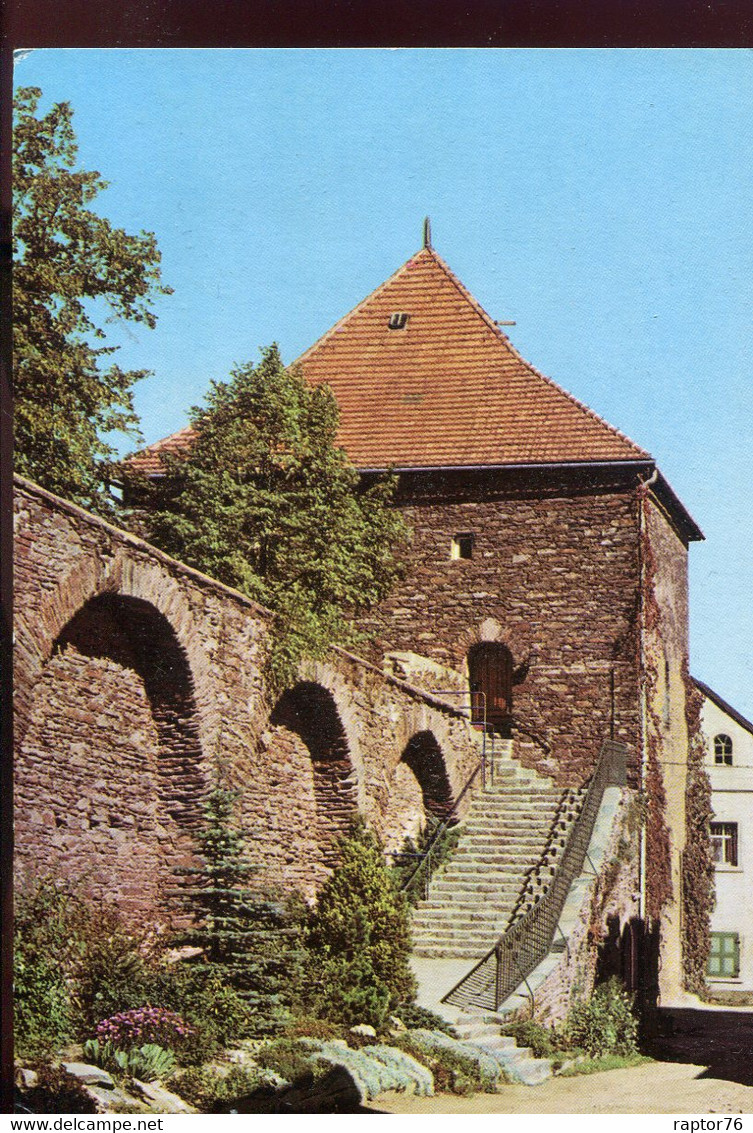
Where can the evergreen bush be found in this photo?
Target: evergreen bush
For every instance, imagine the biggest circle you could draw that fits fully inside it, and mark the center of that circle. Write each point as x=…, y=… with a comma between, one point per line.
x=290, y=1059
x=211, y=1090
x=358, y=939
x=412, y=1016
x=249, y=938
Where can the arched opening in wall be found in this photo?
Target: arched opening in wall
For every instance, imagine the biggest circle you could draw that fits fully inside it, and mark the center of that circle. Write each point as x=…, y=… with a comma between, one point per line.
x=136, y=636
x=110, y=777
x=490, y=682
x=308, y=714
x=424, y=757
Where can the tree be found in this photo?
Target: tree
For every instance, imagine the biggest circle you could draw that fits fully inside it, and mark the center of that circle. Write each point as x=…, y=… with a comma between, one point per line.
x=248, y=937
x=265, y=501
x=72, y=267
x=359, y=938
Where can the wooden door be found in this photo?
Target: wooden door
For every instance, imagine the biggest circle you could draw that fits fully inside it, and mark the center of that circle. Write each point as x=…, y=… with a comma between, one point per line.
x=490, y=673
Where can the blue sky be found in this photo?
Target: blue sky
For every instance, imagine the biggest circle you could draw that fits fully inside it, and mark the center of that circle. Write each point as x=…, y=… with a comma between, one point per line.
x=602, y=199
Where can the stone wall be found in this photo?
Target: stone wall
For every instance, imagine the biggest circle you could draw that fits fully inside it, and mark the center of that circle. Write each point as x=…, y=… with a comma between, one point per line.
x=554, y=575
x=665, y=662
x=140, y=683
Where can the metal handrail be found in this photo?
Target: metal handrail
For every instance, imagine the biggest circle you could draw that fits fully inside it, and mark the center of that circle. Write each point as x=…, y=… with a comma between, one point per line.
x=425, y=855
x=528, y=941
x=486, y=728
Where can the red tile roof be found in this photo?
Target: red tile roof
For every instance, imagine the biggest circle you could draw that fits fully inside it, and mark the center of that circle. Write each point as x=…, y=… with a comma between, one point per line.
x=148, y=461
x=448, y=389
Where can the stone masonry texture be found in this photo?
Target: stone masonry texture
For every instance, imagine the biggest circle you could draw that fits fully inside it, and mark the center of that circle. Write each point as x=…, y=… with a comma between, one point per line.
x=554, y=575
x=140, y=684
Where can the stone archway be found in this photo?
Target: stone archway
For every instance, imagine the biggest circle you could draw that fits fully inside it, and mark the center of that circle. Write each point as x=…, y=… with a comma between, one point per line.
x=113, y=749
x=424, y=757
x=308, y=787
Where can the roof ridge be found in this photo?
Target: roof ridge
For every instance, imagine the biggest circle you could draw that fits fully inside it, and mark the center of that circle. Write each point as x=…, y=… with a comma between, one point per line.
x=499, y=333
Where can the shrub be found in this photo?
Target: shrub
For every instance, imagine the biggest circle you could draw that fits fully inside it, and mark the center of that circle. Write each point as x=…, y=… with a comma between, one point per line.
x=358, y=940
x=44, y=1013
x=604, y=1024
x=217, y=1013
x=348, y=991
x=211, y=1091
x=290, y=1059
x=144, y=1024
x=412, y=1016
x=114, y=968
x=146, y=1062
x=83, y=962
x=458, y=1068
x=545, y=1042
x=312, y=1027
x=77, y=964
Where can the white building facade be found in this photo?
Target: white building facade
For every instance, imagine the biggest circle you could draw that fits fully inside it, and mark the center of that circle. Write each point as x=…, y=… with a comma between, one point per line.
x=729, y=761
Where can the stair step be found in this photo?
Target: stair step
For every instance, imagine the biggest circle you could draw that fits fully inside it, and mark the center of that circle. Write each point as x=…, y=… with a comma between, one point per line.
x=472, y=950
x=460, y=903
x=477, y=1031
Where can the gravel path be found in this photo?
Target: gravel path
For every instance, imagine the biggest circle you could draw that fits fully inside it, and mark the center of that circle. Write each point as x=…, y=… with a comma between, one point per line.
x=657, y=1087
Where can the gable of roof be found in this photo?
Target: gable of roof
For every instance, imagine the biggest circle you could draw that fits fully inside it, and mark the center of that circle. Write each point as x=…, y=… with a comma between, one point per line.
x=448, y=389
x=716, y=699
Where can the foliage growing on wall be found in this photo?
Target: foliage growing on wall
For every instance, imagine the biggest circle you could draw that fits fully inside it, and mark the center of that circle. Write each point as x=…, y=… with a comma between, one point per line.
x=697, y=863
x=264, y=500
x=658, y=859
x=71, y=267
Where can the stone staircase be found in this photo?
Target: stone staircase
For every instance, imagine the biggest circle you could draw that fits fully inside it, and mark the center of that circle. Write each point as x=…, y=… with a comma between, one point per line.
x=518, y=1061
x=508, y=846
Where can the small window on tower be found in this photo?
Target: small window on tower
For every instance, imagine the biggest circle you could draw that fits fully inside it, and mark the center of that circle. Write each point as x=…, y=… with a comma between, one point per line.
x=462, y=546
x=398, y=320
x=723, y=750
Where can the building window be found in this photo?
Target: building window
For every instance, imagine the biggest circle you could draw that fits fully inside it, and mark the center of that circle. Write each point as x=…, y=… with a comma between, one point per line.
x=398, y=320
x=723, y=749
x=724, y=957
x=724, y=843
x=462, y=546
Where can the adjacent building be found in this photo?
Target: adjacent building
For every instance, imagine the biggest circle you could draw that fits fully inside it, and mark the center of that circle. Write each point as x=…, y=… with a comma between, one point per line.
x=729, y=761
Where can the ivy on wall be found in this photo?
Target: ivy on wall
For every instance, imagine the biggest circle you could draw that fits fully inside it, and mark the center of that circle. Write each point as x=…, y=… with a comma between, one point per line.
x=658, y=858
x=697, y=863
